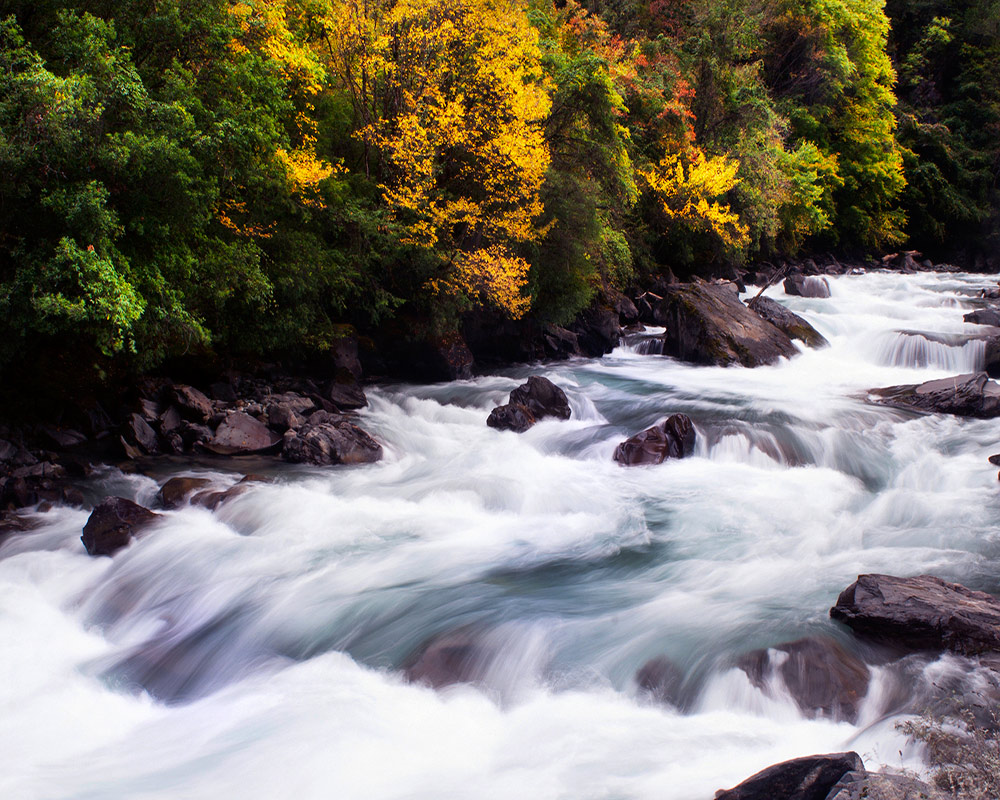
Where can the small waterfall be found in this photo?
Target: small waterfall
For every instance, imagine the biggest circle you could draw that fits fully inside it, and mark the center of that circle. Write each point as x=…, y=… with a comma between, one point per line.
x=952, y=352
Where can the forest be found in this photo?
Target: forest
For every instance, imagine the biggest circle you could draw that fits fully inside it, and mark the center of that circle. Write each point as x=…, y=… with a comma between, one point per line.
x=216, y=178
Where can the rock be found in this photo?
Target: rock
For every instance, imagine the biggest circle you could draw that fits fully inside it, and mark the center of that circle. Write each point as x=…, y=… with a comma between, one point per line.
x=282, y=417
x=192, y=404
x=823, y=678
x=995, y=460
x=801, y=286
x=970, y=395
x=149, y=409
x=63, y=438
x=457, y=657
x=296, y=402
x=661, y=679
x=19, y=493
x=212, y=500
x=875, y=786
x=784, y=320
x=345, y=396
x=808, y=778
x=559, y=343
x=241, y=434
x=597, y=330
x=984, y=316
x=511, y=417
x=344, y=354
x=112, y=525
x=542, y=398
x=672, y=438
x=194, y=434
x=626, y=310
x=921, y=613
x=707, y=324
x=137, y=433
x=223, y=392
x=7, y=451
x=328, y=443
x=170, y=420
x=173, y=492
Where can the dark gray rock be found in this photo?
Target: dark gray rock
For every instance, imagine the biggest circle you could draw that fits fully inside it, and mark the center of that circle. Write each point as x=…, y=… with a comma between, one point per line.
x=191, y=403
x=282, y=417
x=542, y=398
x=7, y=451
x=672, y=438
x=970, y=395
x=808, y=778
x=63, y=438
x=137, y=433
x=511, y=417
x=823, y=678
x=921, y=613
x=802, y=286
x=327, y=443
x=194, y=434
x=597, y=330
x=112, y=525
x=170, y=420
x=984, y=316
x=223, y=392
x=707, y=324
x=560, y=343
x=784, y=320
x=457, y=657
x=242, y=434
x=173, y=492
x=346, y=396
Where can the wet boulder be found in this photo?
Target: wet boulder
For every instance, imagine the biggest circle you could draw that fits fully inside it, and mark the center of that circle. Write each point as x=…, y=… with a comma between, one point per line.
x=823, y=678
x=282, y=417
x=138, y=438
x=456, y=657
x=970, y=395
x=241, y=434
x=112, y=525
x=660, y=679
x=511, y=417
x=335, y=441
x=794, y=326
x=921, y=613
x=173, y=492
x=808, y=778
x=672, y=438
x=597, y=330
x=533, y=400
x=984, y=316
x=346, y=396
x=707, y=324
x=803, y=286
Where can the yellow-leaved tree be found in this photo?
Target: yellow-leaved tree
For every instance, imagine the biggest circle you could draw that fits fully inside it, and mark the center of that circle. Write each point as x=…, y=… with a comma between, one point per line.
x=451, y=102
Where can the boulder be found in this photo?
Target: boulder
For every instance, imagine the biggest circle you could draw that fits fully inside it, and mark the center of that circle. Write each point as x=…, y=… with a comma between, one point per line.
x=823, y=678
x=597, y=330
x=784, y=320
x=559, y=343
x=333, y=442
x=344, y=355
x=984, y=316
x=112, y=525
x=191, y=403
x=672, y=438
x=223, y=392
x=137, y=433
x=511, y=417
x=542, y=398
x=660, y=679
x=808, y=778
x=63, y=438
x=345, y=396
x=173, y=492
x=921, y=613
x=707, y=324
x=7, y=451
x=970, y=395
x=170, y=420
x=213, y=499
x=242, y=434
x=194, y=434
x=874, y=785
x=802, y=286
x=282, y=417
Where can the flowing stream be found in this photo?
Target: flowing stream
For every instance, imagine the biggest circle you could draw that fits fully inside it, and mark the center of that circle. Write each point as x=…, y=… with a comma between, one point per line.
x=255, y=652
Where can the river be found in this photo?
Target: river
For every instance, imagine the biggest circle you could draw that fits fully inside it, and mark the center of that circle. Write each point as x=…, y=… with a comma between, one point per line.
x=254, y=652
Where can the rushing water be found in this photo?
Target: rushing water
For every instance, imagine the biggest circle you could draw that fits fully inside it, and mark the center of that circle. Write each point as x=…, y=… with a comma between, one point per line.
x=254, y=652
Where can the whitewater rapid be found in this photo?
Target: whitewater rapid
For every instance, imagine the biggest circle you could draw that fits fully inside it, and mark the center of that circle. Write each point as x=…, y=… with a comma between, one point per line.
x=255, y=651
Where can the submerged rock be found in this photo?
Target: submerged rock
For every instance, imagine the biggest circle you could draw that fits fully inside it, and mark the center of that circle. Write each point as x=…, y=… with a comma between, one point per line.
x=970, y=395
x=112, y=525
x=808, y=778
x=921, y=613
x=335, y=441
x=533, y=400
x=456, y=657
x=823, y=678
x=661, y=680
x=802, y=286
x=707, y=324
x=672, y=438
x=787, y=321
